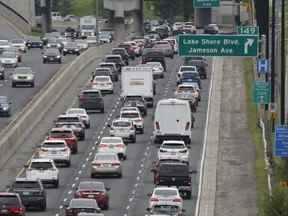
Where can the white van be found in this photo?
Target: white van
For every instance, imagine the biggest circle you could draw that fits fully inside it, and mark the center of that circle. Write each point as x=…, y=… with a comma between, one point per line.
x=172, y=120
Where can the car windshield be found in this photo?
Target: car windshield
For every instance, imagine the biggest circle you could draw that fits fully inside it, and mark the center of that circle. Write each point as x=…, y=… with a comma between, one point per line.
x=26, y=184
x=154, y=64
x=51, y=53
x=109, y=140
x=76, y=111
x=165, y=209
x=102, y=79
x=68, y=119
x=71, y=44
x=22, y=70
x=165, y=193
x=8, y=200
x=112, y=58
x=53, y=145
x=173, y=146
x=121, y=124
x=106, y=157
x=83, y=204
x=189, y=75
x=185, y=88
x=8, y=55
x=60, y=134
x=129, y=115
x=41, y=165
x=87, y=27
x=188, y=69
x=91, y=94
x=96, y=186
x=173, y=170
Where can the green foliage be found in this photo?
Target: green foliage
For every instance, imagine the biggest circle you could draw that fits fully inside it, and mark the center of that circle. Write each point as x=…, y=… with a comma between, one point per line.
x=63, y=6
x=83, y=7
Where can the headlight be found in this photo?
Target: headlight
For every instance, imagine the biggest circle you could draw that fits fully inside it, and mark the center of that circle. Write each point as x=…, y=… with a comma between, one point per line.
x=44, y=56
x=64, y=49
x=5, y=108
x=48, y=45
x=58, y=45
x=58, y=56
x=76, y=50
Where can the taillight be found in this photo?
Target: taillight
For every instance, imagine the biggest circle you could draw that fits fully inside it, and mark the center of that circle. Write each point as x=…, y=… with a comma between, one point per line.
x=103, y=145
x=115, y=164
x=177, y=200
x=44, y=150
x=154, y=199
x=64, y=149
x=120, y=145
x=183, y=151
x=187, y=126
x=82, y=97
x=96, y=164
x=16, y=210
x=157, y=125
x=77, y=194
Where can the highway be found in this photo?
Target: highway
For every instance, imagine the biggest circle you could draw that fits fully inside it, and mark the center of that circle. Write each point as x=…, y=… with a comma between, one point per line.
x=129, y=194
x=20, y=96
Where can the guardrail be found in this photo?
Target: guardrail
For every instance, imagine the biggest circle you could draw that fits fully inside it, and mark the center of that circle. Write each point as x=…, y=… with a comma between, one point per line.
x=15, y=18
x=26, y=120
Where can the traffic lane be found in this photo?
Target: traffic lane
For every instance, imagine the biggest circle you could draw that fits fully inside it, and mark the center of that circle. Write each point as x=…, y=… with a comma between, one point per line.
x=20, y=96
x=56, y=197
x=141, y=199
x=70, y=177
x=6, y=31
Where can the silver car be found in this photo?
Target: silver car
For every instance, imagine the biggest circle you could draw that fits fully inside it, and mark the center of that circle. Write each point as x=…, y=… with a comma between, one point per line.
x=106, y=164
x=82, y=113
x=57, y=150
x=23, y=76
x=9, y=59
x=123, y=128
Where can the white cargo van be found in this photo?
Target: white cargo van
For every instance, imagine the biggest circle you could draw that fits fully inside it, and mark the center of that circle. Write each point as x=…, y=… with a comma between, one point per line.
x=172, y=120
x=138, y=81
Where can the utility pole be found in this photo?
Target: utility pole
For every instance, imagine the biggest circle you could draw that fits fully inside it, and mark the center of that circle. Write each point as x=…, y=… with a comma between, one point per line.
x=273, y=53
x=237, y=17
x=283, y=63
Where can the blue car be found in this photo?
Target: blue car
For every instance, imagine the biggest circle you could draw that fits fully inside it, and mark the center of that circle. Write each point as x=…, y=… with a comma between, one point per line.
x=5, y=108
x=189, y=76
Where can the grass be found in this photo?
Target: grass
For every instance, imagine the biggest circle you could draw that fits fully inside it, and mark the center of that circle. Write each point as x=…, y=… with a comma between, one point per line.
x=36, y=32
x=256, y=134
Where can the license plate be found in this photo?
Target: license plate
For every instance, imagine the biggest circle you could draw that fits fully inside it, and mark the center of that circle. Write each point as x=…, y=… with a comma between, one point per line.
x=111, y=147
x=51, y=58
x=90, y=196
x=26, y=193
x=4, y=211
x=173, y=153
x=54, y=152
x=106, y=165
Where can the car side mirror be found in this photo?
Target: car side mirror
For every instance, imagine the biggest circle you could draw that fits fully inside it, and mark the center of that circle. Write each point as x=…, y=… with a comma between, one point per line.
x=188, y=146
x=26, y=165
x=149, y=194
x=183, y=210
x=66, y=205
x=108, y=125
x=108, y=188
x=148, y=209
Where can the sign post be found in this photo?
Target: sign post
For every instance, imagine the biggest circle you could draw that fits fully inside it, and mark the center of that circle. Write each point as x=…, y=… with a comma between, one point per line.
x=218, y=45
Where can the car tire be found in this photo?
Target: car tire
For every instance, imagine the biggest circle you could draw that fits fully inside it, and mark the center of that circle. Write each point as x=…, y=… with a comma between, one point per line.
x=75, y=150
x=44, y=62
x=102, y=110
x=13, y=85
x=82, y=137
x=188, y=195
x=64, y=54
x=56, y=183
x=77, y=54
x=92, y=175
x=88, y=126
x=172, y=56
x=60, y=61
x=106, y=207
x=133, y=140
x=43, y=205
x=32, y=85
x=141, y=131
x=119, y=175
x=68, y=163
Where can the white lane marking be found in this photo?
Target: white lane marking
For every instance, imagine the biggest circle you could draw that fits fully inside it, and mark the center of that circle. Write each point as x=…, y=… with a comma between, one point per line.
x=76, y=178
x=101, y=132
x=84, y=165
x=80, y=172
x=64, y=200
x=98, y=137
x=90, y=153
x=204, y=142
x=138, y=178
x=140, y=171
x=141, y=165
x=61, y=206
x=131, y=199
x=73, y=185
x=70, y=192
x=57, y=214
x=87, y=159
x=133, y=191
x=136, y=185
x=93, y=148
x=127, y=207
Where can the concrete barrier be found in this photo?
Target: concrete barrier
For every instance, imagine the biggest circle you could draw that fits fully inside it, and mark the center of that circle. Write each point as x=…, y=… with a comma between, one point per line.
x=25, y=121
x=15, y=18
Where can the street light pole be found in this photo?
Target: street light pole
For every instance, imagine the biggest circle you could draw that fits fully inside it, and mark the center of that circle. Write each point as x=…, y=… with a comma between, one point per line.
x=283, y=63
x=273, y=53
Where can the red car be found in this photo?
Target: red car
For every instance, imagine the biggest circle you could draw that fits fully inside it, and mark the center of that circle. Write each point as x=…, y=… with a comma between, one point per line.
x=94, y=190
x=66, y=134
x=11, y=204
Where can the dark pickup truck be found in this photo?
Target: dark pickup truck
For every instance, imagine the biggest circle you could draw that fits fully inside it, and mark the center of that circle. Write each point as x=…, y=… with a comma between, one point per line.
x=173, y=173
x=32, y=192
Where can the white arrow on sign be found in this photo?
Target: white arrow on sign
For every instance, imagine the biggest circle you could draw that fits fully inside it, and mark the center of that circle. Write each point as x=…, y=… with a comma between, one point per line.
x=248, y=44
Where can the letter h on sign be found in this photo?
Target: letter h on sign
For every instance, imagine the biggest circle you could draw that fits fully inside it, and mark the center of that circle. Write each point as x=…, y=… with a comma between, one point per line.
x=262, y=66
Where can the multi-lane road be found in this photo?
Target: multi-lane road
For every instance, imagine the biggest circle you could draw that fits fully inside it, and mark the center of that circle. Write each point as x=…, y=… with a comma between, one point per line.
x=128, y=195
x=43, y=72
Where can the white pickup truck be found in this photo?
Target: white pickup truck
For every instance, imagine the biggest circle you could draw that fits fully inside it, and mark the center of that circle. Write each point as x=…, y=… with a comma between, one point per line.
x=43, y=169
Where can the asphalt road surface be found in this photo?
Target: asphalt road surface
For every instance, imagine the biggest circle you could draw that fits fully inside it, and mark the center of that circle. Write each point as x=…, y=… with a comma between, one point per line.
x=128, y=195
x=22, y=95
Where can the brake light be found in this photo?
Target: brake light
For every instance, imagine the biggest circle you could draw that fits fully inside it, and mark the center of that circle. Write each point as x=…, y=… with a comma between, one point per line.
x=77, y=195
x=154, y=199
x=64, y=149
x=177, y=200
x=44, y=150
x=82, y=97
x=115, y=164
x=157, y=125
x=120, y=145
x=96, y=164
x=16, y=210
x=103, y=145
x=187, y=126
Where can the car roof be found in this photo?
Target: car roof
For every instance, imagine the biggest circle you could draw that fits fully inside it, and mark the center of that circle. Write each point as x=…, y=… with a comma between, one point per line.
x=61, y=129
x=54, y=141
x=107, y=56
x=122, y=120
x=41, y=160
x=173, y=141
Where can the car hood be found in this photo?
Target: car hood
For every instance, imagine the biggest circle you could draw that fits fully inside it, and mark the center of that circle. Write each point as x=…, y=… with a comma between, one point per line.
x=19, y=76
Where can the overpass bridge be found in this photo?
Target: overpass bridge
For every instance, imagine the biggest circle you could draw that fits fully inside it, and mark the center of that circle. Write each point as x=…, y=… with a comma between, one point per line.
x=20, y=13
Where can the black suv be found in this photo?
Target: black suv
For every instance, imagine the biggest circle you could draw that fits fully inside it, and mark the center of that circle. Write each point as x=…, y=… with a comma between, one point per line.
x=32, y=192
x=71, y=48
x=136, y=101
x=11, y=204
x=123, y=53
x=52, y=55
x=153, y=55
x=173, y=173
x=91, y=99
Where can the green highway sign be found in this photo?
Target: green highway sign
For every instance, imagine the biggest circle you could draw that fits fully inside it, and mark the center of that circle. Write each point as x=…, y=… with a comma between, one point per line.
x=261, y=92
x=206, y=3
x=218, y=45
x=248, y=30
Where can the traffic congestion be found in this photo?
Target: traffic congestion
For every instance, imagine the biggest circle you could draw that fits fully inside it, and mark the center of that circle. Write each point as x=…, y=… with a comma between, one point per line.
x=132, y=75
